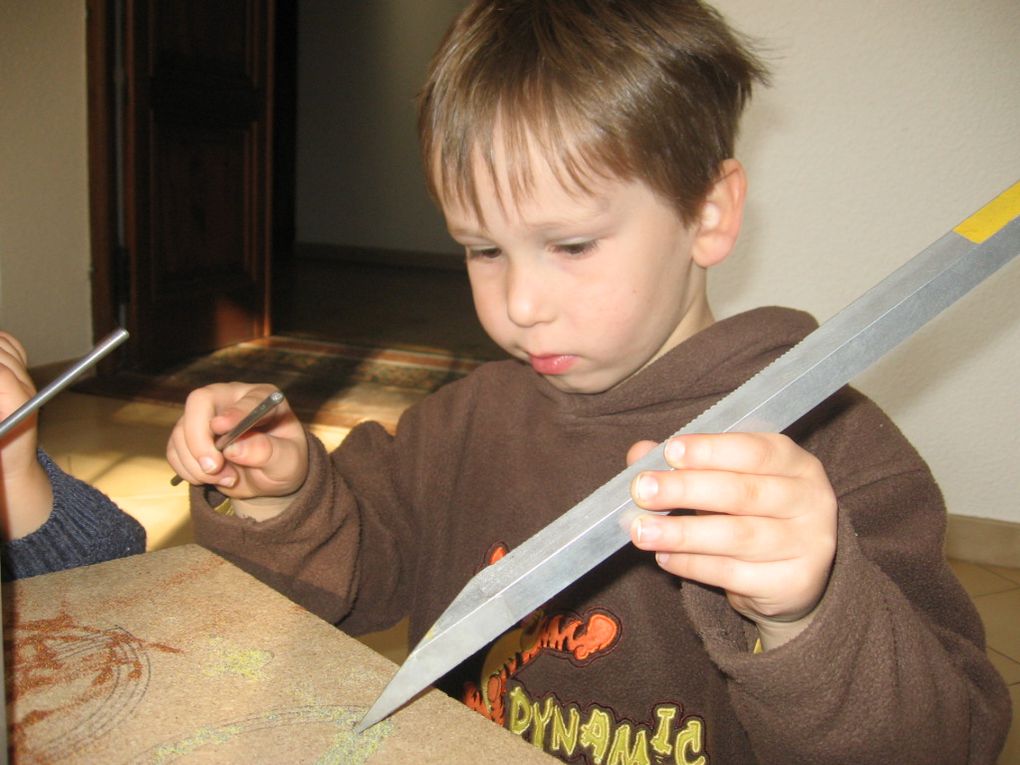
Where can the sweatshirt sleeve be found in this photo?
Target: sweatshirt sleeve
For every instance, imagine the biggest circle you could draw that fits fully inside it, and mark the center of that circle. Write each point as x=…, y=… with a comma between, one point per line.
x=893, y=667
x=350, y=546
x=84, y=527
x=309, y=552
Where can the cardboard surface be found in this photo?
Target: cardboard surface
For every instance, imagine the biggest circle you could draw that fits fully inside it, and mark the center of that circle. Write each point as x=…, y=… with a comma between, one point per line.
x=178, y=656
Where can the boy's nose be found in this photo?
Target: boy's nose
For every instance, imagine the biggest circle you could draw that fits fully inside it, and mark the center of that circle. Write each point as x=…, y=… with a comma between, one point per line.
x=528, y=296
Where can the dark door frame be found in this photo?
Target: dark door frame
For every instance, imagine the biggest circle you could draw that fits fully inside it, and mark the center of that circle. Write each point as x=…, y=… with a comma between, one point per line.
x=101, y=67
x=110, y=276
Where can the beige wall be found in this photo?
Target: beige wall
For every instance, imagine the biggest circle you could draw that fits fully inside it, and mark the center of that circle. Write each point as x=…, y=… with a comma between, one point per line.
x=883, y=129
x=45, y=296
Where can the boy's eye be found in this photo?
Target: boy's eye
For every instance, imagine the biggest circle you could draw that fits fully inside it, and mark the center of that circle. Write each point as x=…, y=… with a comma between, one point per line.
x=483, y=253
x=577, y=248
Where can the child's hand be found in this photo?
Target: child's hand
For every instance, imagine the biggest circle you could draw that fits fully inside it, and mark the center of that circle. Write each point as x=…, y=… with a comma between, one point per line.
x=269, y=461
x=764, y=527
x=16, y=388
x=26, y=497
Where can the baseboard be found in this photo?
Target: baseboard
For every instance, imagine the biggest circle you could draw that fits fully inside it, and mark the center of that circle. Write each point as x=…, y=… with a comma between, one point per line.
x=376, y=256
x=982, y=540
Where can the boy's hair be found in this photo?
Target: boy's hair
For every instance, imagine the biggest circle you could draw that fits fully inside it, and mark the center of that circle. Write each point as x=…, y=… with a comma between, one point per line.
x=648, y=90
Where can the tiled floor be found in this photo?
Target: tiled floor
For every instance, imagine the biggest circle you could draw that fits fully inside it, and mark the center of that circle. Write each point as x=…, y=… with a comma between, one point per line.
x=996, y=592
x=118, y=446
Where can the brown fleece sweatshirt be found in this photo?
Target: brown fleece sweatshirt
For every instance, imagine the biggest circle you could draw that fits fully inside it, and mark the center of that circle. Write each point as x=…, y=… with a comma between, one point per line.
x=630, y=664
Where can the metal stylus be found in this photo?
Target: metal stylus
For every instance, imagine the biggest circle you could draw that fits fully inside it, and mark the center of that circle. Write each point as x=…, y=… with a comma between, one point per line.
x=256, y=414
x=108, y=343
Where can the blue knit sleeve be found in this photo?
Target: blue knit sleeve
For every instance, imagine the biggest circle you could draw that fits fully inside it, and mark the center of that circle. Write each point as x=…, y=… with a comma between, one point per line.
x=85, y=527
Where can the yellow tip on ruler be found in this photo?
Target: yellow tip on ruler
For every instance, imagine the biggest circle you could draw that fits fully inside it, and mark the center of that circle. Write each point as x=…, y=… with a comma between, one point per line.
x=992, y=217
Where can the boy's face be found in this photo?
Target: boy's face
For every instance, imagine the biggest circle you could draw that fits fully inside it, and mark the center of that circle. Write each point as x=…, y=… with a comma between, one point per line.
x=587, y=288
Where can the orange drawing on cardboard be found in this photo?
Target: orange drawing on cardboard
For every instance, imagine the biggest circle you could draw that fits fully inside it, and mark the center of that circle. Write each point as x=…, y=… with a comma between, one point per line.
x=72, y=682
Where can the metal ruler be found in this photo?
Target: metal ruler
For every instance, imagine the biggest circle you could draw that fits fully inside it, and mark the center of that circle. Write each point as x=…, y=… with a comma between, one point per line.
x=845, y=345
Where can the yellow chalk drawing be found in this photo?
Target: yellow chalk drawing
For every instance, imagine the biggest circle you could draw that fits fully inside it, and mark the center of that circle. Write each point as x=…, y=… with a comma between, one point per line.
x=344, y=748
x=350, y=748
x=229, y=660
x=165, y=753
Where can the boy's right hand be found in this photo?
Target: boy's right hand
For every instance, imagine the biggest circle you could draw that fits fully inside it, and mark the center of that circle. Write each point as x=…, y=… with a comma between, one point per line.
x=267, y=464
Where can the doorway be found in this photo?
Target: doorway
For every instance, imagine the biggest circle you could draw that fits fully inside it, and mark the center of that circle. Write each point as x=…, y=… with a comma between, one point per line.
x=188, y=269
x=181, y=136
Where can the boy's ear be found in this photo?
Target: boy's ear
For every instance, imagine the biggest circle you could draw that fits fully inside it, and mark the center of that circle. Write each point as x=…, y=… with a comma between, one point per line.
x=721, y=214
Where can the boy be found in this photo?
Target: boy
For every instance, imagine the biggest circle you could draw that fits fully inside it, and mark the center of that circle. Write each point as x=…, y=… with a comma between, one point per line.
x=581, y=152
x=51, y=521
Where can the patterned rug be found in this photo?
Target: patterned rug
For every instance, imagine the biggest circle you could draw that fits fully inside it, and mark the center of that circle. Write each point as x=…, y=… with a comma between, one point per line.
x=325, y=383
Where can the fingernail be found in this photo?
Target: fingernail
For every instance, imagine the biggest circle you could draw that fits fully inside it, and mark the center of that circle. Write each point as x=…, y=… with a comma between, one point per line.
x=662, y=558
x=646, y=487
x=208, y=464
x=227, y=481
x=648, y=530
x=674, y=452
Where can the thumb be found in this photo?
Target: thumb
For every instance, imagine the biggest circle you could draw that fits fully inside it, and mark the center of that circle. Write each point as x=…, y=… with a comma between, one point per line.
x=279, y=460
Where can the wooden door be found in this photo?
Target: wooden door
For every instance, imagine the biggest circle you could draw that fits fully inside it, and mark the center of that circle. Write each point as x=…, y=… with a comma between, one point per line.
x=196, y=199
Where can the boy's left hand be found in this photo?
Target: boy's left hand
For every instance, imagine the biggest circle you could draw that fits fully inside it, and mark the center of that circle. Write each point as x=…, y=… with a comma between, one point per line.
x=763, y=527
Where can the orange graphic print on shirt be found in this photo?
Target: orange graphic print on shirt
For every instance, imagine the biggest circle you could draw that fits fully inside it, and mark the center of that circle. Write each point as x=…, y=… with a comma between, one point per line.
x=579, y=639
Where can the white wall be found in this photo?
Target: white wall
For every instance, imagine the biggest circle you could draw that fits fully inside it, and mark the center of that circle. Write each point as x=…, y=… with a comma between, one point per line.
x=886, y=125
x=45, y=295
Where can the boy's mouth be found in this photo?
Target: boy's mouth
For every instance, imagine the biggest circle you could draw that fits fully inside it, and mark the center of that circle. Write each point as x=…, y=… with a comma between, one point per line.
x=552, y=364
